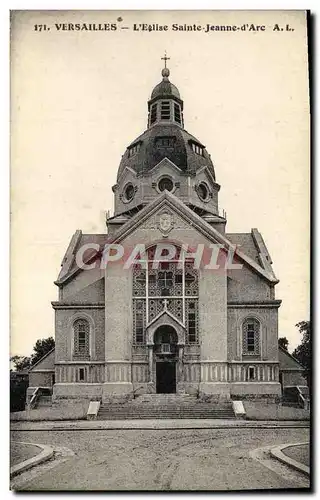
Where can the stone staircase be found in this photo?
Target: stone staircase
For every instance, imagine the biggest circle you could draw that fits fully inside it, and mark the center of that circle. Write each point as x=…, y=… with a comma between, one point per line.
x=44, y=401
x=161, y=406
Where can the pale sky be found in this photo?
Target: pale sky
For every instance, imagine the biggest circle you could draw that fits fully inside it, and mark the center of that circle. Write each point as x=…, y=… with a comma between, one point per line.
x=78, y=98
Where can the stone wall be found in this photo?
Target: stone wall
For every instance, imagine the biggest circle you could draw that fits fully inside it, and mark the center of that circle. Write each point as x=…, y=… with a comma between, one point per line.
x=268, y=318
x=64, y=319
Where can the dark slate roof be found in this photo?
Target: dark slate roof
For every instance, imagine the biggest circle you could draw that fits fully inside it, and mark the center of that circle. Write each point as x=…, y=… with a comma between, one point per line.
x=246, y=244
x=287, y=361
x=79, y=239
x=150, y=155
x=165, y=88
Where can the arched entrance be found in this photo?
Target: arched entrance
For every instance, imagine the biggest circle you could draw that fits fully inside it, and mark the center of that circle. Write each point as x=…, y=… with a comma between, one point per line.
x=166, y=350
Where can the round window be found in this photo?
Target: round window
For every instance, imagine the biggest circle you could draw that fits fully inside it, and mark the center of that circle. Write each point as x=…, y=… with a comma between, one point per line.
x=203, y=191
x=165, y=183
x=129, y=192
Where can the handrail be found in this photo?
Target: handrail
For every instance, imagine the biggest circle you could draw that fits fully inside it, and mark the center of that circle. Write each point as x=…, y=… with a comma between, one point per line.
x=304, y=402
x=34, y=398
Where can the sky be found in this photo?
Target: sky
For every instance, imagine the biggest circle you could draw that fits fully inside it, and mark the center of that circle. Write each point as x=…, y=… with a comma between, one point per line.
x=78, y=98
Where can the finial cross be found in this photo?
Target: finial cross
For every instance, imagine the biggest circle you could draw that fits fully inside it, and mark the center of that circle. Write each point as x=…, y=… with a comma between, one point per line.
x=165, y=58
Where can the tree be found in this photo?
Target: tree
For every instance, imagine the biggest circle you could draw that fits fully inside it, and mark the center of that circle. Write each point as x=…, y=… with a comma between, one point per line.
x=19, y=382
x=21, y=363
x=283, y=342
x=41, y=347
x=303, y=352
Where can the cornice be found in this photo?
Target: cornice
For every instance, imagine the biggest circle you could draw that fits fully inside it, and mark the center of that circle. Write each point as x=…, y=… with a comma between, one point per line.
x=77, y=305
x=255, y=303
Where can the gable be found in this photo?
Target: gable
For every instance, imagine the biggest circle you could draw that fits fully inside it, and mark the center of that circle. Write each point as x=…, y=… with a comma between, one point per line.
x=246, y=243
x=287, y=361
x=166, y=166
x=46, y=363
x=205, y=174
x=127, y=174
x=184, y=219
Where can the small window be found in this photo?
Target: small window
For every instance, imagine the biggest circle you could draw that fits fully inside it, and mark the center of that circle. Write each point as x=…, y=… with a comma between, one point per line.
x=178, y=278
x=81, y=374
x=128, y=193
x=165, y=183
x=177, y=113
x=139, y=322
x=251, y=336
x=134, y=149
x=199, y=150
x=81, y=331
x=153, y=114
x=165, y=110
x=203, y=191
x=192, y=334
x=166, y=142
x=251, y=373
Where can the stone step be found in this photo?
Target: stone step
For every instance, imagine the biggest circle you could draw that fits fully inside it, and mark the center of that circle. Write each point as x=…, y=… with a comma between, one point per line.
x=164, y=407
x=149, y=412
x=157, y=416
x=173, y=397
x=170, y=410
x=44, y=401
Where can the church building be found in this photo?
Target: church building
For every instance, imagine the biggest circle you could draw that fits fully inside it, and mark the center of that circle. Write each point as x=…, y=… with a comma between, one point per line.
x=166, y=300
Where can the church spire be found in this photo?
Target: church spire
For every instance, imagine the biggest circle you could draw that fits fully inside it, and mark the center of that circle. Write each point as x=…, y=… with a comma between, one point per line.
x=165, y=72
x=165, y=105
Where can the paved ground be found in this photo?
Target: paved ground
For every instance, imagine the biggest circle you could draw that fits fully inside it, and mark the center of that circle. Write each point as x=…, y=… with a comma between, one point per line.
x=299, y=453
x=20, y=452
x=182, y=459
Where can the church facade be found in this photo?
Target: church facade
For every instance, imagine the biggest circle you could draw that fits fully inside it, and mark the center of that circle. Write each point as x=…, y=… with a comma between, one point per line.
x=166, y=301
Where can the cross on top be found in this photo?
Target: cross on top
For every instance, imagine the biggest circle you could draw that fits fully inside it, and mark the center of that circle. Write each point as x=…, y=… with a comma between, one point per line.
x=165, y=58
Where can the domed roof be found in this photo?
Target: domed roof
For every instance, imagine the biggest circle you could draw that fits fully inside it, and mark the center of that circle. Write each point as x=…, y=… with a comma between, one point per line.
x=165, y=141
x=165, y=88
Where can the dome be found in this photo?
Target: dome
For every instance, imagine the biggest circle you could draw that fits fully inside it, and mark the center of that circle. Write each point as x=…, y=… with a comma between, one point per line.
x=165, y=88
x=165, y=141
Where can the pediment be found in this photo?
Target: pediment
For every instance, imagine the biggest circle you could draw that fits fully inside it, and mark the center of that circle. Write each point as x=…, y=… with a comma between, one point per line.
x=127, y=173
x=204, y=171
x=182, y=217
x=165, y=318
x=165, y=165
x=165, y=214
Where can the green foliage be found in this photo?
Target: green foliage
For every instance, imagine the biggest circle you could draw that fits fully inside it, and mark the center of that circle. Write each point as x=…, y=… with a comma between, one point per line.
x=303, y=352
x=18, y=390
x=21, y=363
x=19, y=382
x=41, y=347
x=283, y=342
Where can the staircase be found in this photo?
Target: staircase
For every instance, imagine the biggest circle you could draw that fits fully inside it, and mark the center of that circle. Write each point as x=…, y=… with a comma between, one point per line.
x=44, y=401
x=296, y=396
x=161, y=406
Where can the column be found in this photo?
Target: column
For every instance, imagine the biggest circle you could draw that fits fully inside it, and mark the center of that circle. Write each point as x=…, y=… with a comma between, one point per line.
x=180, y=364
x=150, y=358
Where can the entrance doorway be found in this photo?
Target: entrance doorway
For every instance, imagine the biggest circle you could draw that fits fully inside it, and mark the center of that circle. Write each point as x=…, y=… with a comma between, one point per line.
x=166, y=377
x=165, y=350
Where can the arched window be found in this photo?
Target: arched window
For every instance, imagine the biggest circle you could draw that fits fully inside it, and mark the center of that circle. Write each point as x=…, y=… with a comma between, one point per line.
x=251, y=336
x=172, y=285
x=81, y=334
